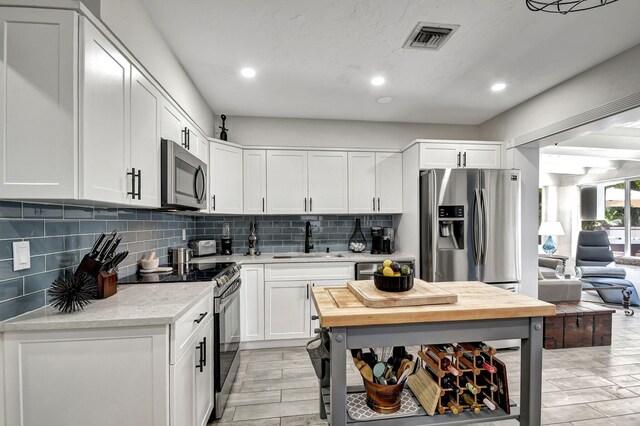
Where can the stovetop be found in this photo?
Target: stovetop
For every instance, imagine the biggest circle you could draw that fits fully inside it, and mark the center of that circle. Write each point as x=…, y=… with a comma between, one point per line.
x=220, y=272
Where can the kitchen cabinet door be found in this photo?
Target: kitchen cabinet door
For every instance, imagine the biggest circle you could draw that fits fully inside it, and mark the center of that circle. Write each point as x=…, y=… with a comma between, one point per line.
x=328, y=182
x=170, y=123
x=183, y=388
x=252, y=303
x=204, y=377
x=225, y=176
x=388, y=182
x=481, y=156
x=254, y=181
x=190, y=139
x=38, y=127
x=440, y=156
x=362, y=182
x=203, y=147
x=145, y=140
x=104, y=117
x=286, y=309
x=287, y=182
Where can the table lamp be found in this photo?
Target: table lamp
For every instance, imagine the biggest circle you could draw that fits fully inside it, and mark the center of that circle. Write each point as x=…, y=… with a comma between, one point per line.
x=550, y=229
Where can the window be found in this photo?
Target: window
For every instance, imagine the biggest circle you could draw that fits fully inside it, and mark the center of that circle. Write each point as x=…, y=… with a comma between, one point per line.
x=615, y=208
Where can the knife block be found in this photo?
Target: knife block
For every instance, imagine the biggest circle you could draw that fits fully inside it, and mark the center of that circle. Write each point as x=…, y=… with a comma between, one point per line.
x=107, y=284
x=89, y=266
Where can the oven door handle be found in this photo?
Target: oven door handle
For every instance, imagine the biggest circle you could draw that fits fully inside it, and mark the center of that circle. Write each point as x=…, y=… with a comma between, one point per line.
x=227, y=298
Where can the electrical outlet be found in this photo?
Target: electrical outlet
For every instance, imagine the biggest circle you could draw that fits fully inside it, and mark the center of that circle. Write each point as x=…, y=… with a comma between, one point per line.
x=21, y=255
x=184, y=235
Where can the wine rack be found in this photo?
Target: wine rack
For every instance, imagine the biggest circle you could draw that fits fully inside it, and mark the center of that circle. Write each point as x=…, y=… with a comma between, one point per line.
x=454, y=367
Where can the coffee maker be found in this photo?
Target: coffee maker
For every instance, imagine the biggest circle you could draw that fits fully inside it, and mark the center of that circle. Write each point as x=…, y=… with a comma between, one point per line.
x=388, y=242
x=226, y=242
x=376, y=240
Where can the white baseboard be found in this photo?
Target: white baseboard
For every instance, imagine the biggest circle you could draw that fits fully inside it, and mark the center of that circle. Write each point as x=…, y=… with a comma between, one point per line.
x=267, y=344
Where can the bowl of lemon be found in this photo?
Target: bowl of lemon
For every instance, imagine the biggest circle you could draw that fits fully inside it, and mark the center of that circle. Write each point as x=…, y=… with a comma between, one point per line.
x=393, y=277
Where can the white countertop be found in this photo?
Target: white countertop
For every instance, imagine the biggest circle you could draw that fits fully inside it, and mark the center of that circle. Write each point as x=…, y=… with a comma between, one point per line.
x=305, y=258
x=133, y=305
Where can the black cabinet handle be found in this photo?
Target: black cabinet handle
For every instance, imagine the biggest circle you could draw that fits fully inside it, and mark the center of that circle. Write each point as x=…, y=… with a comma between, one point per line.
x=374, y=204
x=464, y=160
x=310, y=204
x=307, y=291
x=200, y=318
x=262, y=204
x=378, y=203
x=305, y=204
x=200, y=364
x=214, y=203
x=184, y=139
x=132, y=173
x=204, y=351
x=139, y=184
x=459, y=159
x=188, y=139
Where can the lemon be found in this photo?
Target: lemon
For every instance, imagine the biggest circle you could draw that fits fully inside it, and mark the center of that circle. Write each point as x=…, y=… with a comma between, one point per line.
x=387, y=272
x=396, y=274
x=387, y=263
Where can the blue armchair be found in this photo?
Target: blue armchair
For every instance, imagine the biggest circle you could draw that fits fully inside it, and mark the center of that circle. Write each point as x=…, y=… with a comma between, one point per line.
x=595, y=258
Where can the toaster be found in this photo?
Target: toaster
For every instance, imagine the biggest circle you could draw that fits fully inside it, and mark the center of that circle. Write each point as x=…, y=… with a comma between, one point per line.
x=203, y=247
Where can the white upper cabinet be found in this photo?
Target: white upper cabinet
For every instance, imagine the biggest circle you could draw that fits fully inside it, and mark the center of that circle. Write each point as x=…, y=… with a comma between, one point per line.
x=170, y=122
x=145, y=141
x=328, y=182
x=225, y=178
x=375, y=182
x=388, y=182
x=287, y=182
x=460, y=154
x=362, y=182
x=254, y=171
x=203, y=147
x=190, y=139
x=38, y=126
x=104, y=118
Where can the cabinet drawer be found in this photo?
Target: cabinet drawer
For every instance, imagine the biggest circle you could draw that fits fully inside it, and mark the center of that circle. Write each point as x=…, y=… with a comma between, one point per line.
x=309, y=271
x=184, y=329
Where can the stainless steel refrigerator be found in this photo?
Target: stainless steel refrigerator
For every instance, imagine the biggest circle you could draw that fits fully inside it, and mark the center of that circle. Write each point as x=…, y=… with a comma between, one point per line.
x=470, y=225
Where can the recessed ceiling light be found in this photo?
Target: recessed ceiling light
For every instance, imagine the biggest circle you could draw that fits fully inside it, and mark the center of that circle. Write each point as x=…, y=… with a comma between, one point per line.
x=384, y=100
x=377, y=81
x=248, y=72
x=498, y=87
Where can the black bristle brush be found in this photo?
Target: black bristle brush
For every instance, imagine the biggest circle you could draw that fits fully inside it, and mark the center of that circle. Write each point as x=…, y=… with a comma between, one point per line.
x=72, y=293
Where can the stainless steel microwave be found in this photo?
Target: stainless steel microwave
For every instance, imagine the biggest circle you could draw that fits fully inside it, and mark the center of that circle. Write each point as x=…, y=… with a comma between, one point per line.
x=183, y=178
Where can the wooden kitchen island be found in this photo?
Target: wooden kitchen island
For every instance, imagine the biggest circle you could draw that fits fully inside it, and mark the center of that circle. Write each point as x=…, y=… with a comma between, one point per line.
x=483, y=312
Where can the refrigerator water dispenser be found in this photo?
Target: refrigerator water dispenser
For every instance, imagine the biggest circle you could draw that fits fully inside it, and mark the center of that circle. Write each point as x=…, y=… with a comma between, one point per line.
x=451, y=227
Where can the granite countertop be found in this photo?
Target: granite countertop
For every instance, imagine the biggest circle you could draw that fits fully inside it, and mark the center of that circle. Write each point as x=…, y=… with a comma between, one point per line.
x=133, y=305
x=628, y=260
x=305, y=258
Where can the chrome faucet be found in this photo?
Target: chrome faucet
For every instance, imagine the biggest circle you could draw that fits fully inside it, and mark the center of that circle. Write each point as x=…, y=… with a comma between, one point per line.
x=307, y=238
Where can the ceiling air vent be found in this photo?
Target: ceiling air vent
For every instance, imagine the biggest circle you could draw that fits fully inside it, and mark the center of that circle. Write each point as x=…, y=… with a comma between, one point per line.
x=430, y=36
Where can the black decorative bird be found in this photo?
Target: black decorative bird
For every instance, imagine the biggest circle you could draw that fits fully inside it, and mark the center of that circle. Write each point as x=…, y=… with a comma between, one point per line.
x=72, y=293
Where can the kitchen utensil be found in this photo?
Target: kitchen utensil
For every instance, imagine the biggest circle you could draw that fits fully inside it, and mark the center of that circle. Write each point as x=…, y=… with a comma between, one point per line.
x=117, y=259
x=95, y=249
x=149, y=263
x=378, y=372
x=107, y=245
x=383, y=398
x=181, y=255
x=113, y=247
x=158, y=270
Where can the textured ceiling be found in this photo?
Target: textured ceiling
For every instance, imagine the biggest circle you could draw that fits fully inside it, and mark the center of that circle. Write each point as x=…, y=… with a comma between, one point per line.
x=314, y=59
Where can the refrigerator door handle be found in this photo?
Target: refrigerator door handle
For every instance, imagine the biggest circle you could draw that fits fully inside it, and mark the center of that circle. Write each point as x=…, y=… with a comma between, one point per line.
x=483, y=209
x=475, y=228
x=434, y=208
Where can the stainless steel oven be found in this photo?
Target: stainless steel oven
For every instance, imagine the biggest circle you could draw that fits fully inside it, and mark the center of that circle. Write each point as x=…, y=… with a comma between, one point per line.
x=183, y=178
x=227, y=341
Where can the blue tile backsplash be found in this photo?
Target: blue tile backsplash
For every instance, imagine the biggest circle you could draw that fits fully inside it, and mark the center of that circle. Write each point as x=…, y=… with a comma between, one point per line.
x=60, y=235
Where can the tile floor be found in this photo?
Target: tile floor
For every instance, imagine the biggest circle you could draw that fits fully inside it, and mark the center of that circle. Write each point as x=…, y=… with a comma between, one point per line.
x=581, y=387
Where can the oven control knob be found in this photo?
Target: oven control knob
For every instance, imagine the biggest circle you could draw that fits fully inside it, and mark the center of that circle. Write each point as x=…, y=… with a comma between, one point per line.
x=222, y=281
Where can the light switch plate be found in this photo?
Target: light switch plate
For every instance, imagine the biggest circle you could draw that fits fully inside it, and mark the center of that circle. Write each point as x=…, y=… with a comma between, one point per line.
x=21, y=255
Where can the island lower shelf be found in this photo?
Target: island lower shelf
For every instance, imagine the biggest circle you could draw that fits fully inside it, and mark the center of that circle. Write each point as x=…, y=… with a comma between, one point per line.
x=465, y=417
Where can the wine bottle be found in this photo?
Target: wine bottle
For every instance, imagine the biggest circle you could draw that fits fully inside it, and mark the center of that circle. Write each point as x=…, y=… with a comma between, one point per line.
x=450, y=402
x=445, y=348
x=448, y=382
x=469, y=385
x=482, y=381
x=482, y=346
x=448, y=366
x=480, y=362
x=488, y=402
x=471, y=403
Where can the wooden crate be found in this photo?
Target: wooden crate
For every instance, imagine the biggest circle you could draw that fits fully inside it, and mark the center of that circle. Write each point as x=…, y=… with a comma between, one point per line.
x=578, y=324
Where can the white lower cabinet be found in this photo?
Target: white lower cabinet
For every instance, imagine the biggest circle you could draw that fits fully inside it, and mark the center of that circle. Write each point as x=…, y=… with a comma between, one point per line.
x=111, y=376
x=252, y=303
x=286, y=309
x=192, y=381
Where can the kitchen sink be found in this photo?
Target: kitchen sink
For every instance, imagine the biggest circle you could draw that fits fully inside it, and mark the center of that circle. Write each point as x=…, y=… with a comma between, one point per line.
x=308, y=256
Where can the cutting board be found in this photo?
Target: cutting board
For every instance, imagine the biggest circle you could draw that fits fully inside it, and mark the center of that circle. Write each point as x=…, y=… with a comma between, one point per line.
x=422, y=293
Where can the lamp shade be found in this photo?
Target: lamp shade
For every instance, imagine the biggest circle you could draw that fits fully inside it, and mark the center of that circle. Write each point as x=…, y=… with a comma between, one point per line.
x=550, y=228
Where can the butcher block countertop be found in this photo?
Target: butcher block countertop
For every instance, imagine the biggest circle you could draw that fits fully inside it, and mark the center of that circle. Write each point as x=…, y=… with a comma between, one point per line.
x=338, y=307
